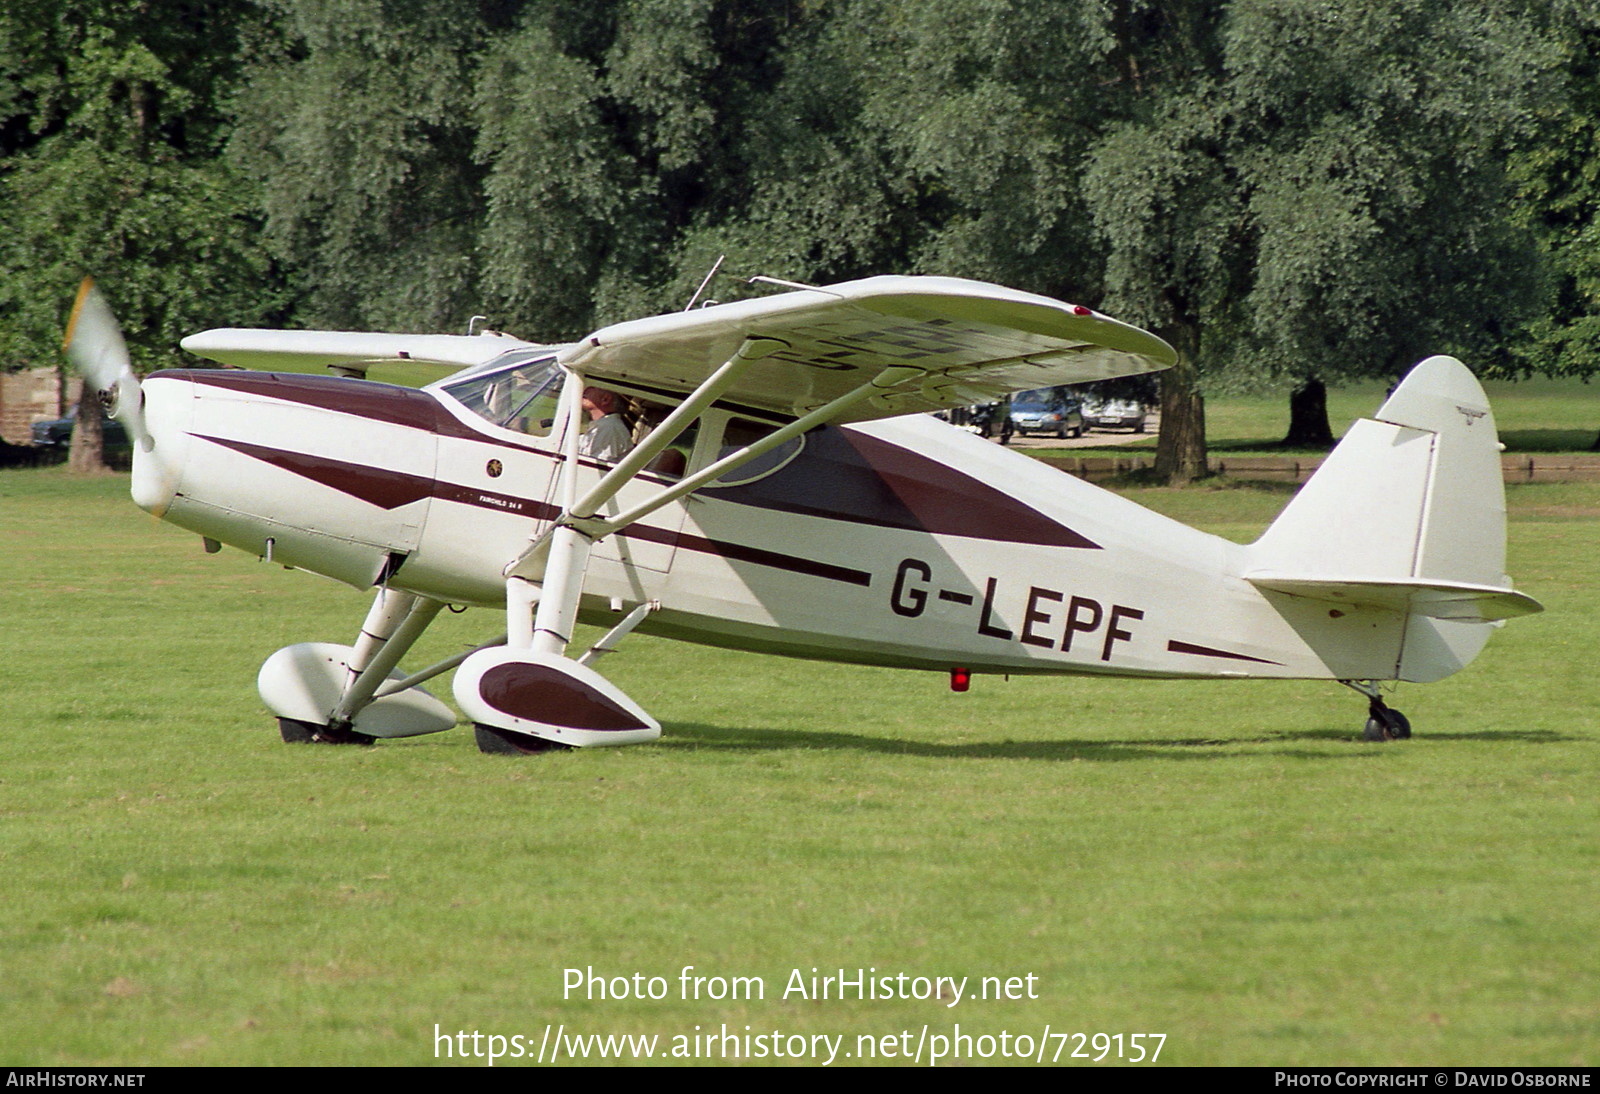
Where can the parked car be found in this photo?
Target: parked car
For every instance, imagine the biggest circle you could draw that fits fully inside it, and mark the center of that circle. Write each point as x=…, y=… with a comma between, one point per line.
x=1114, y=414
x=1046, y=411
x=57, y=432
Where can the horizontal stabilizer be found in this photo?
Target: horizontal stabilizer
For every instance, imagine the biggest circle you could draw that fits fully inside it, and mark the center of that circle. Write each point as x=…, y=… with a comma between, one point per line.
x=1454, y=600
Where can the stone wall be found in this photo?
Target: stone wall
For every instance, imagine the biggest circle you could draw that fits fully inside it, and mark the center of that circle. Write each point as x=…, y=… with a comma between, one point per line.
x=27, y=397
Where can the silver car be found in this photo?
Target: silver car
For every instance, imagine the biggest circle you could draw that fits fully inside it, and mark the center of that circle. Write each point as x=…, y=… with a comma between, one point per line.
x=1114, y=414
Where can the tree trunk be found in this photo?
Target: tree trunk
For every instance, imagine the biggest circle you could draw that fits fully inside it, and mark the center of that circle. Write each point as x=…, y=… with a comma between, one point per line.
x=1308, y=416
x=1181, y=446
x=88, y=451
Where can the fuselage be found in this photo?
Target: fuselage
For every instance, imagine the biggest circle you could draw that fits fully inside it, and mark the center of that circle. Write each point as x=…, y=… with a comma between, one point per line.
x=902, y=542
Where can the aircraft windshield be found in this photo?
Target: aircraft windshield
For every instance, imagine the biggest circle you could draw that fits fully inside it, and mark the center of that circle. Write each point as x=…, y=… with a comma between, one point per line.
x=521, y=398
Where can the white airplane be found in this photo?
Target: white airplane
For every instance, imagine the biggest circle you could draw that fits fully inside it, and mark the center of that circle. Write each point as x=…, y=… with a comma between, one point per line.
x=788, y=495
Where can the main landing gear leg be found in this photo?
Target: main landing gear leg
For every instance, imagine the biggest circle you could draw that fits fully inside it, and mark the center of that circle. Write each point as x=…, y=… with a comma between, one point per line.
x=324, y=693
x=1383, y=722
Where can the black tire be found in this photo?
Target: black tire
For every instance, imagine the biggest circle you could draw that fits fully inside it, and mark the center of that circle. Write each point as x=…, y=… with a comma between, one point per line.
x=502, y=742
x=1399, y=726
x=1384, y=724
x=295, y=732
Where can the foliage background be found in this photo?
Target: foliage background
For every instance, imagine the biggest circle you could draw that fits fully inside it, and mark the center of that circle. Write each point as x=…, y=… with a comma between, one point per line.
x=1333, y=185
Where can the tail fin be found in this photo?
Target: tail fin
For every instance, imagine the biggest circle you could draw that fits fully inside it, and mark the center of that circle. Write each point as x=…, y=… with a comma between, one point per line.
x=1408, y=515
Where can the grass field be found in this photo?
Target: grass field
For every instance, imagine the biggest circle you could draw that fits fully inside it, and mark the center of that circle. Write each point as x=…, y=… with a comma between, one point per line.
x=1226, y=864
x=1533, y=416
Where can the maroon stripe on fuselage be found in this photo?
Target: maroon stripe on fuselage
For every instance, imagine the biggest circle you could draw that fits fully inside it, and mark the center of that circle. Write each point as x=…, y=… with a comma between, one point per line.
x=362, y=398
x=368, y=399
x=850, y=476
x=1175, y=646
x=738, y=552
x=840, y=474
x=375, y=485
x=392, y=489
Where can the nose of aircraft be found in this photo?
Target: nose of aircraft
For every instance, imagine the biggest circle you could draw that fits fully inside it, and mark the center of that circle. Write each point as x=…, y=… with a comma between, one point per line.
x=167, y=405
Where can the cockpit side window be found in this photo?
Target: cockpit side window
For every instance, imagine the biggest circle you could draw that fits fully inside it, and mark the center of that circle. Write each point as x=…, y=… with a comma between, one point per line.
x=740, y=433
x=521, y=397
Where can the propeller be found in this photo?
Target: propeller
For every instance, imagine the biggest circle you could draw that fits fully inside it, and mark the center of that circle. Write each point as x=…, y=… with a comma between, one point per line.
x=95, y=346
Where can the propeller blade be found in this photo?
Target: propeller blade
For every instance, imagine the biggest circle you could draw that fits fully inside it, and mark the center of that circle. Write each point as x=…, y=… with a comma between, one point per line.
x=94, y=345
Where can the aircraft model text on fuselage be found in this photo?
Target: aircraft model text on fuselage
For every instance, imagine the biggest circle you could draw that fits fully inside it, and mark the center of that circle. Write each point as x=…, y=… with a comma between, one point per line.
x=786, y=495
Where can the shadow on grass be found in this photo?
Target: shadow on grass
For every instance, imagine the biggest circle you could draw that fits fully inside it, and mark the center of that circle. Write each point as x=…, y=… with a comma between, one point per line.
x=1243, y=481
x=1547, y=440
x=1521, y=736
x=699, y=735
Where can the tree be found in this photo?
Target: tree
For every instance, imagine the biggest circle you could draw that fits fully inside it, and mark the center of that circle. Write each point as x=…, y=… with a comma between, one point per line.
x=1315, y=191
x=110, y=119
x=1374, y=141
x=1556, y=171
x=356, y=117
x=541, y=162
x=607, y=141
x=1166, y=197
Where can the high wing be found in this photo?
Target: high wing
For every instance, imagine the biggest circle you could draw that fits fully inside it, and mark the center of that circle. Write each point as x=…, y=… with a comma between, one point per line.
x=952, y=343
x=345, y=351
x=956, y=342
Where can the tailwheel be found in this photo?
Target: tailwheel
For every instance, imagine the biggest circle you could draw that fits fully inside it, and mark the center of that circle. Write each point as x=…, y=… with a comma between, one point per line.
x=1385, y=724
x=504, y=742
x=297, y=732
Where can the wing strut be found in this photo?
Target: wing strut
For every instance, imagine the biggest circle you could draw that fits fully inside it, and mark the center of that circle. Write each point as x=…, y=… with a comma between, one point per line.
x=597, y=527
x=530, y=687
x=581, y=515
x=687, y=412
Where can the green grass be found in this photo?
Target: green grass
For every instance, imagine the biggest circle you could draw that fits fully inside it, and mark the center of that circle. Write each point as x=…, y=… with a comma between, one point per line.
x=1224, y=863
x=1537, y=415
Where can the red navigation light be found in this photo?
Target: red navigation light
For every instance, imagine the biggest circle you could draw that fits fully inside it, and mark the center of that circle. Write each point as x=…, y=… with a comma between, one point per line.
x=960, y=679
x=1079, y=309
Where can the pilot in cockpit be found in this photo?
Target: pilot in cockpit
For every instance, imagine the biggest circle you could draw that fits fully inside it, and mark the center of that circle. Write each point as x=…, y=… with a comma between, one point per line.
x=608, y=437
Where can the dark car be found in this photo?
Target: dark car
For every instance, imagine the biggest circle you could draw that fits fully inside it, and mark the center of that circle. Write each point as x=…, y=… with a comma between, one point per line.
x=57, y=432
